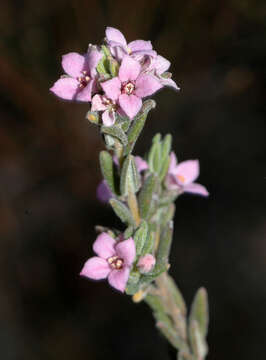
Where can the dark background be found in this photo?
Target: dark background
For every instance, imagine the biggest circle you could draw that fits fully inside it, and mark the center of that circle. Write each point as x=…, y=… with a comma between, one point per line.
x=49, y=172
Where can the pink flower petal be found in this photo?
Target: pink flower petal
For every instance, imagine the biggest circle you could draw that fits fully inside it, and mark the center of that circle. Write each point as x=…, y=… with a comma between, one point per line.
x=130, y=104
x=196, y=188
x=92, y=59
x=138, y=45
x=73, y=64
x=108, y=118
x=104, y=246
x=169, y=82
x=140, y=164
x=117, y=52
x=147, y=85
x=187, y=171
x=97, y=103
x=129, y=69
x=85, y=94
x=173, y=163
x=161, y=64
x=112, y=88
x=118, y=278
x=171, y=182
x=115, y=35
x=136, y=54
x=103, y=192
x=96, y=268
x=126, y=250
x=65, y=88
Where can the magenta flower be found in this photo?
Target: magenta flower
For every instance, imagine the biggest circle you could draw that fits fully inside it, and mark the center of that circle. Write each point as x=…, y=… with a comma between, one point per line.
x=113, y=262
x=181, y=176
x=81, y=80
x=146, y=263
x=130, y=87
x=119, y=47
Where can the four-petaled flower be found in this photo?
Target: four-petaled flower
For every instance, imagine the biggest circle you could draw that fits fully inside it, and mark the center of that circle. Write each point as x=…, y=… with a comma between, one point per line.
x=181, y=176
x=108, y=106
x=81, y=80
x=130, y=86
x=119, y=47
x=114, y=261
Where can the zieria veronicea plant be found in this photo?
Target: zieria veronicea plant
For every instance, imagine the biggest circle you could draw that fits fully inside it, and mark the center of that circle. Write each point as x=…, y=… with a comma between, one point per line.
x=115, y=80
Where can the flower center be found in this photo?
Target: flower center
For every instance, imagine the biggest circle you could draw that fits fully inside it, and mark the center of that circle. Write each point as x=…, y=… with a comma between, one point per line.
x=181, y=178
x=83, y=80
x=110, y=104
x=128, y=88
x=115, y=262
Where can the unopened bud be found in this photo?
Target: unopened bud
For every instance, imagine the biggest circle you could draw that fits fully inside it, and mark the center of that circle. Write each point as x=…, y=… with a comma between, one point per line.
x=146, y=263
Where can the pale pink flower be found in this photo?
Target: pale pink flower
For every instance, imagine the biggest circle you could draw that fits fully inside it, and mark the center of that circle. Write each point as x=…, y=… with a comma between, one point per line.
x=113, y=262
x=130, y=86
x=108, y=106
x=119, y=47
x=181, y=176
x=81, y=80
x=141, y=164
x=146, y=263
x=159, y=65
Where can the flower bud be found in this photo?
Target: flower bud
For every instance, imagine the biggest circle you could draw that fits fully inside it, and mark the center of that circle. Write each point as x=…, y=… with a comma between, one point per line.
x=146, y=263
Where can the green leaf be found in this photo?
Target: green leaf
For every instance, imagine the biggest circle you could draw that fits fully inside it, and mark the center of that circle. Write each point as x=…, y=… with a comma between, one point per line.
x=93, y=117
x=199, y=311
x=149, y=244
x=107, y=168
x=166, y=214
x=138, y=124
x=122, y=212
x=197, y=341
x=128, y=232
x=176, y=294
x=106, y=51
x=164, y=247
x=166, y=146
x=140, y=237
x=163, y=322
x=130, y=179
x=113, y=66
x=133, y=283
x=116, y=132
x=134, y=133
x=145, y=196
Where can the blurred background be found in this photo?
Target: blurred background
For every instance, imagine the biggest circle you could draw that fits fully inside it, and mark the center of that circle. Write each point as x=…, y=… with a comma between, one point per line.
x=49, y=172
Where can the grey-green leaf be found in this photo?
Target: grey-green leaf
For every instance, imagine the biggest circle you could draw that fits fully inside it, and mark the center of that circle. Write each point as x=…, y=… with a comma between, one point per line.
x=130, y=179
x=116, y=132
x=146, y=194
x=107, y=168
x=199, y=311
x=197, y=341
x=122, y=212
x=140, y=237
x=177, y=296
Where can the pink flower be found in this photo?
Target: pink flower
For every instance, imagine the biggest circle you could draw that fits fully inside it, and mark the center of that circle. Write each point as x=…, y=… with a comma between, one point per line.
x=181, y=176
x=158, y=66
x=146, y=263
x=140, y=164
x=119, y=47
x=108, y=106
x=130, y=87
x=114, y=261
x=81, y=79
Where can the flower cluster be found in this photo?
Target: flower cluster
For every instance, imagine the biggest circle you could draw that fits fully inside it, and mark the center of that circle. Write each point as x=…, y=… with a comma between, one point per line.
x=115, y=77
